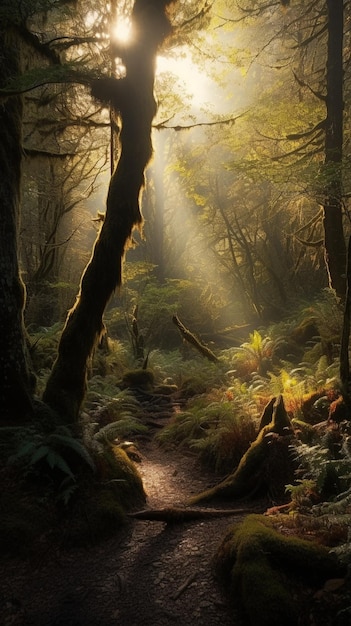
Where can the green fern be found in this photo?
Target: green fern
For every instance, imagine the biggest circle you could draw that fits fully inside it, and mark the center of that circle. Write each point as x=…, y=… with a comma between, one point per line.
x=57, y=454
x=218, y=431
x=124, y=427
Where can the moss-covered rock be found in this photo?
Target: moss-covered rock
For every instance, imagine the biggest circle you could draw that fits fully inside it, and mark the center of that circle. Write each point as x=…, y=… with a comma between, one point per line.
x=259, y=564
x=93, y=519
x=143, y=378
x=116, y=468
x=95, y=508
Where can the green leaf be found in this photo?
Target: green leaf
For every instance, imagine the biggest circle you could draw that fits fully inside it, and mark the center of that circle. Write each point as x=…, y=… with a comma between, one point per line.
x=75, y=445
x=40, y=453
x=26, y=449
x=55, y=460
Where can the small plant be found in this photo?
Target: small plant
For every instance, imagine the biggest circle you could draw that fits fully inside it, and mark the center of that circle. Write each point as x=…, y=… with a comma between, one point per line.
x=330, y=476
x=57, y=455
x=302, y=494
x=255, y=356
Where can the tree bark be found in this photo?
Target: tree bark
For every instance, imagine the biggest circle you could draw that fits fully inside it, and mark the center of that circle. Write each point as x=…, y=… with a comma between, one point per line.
x=134, y=98
x=345, y=374
x=250, y=473
x=335, y=247
x=15, y=387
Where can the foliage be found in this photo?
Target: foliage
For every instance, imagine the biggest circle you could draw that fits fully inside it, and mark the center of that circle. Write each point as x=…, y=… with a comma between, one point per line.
x=112, y=360
x=324, y=474
x=157, y=303
x=43, y=347
x=58, y=455
x=46, y=469
x=219, y=431
x=255, y=360
x=255, y=355
x=125, y=426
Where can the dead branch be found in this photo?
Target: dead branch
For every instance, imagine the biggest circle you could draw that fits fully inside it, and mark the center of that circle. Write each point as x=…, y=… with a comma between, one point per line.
x=188, y=336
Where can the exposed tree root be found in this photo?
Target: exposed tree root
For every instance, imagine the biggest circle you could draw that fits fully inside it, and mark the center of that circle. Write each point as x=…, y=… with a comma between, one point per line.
x=174, y=515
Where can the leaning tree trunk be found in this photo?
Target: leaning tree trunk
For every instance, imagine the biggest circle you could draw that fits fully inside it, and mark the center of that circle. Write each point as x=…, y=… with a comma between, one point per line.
x=133, y=97
x=15, y=387
x=335, y=247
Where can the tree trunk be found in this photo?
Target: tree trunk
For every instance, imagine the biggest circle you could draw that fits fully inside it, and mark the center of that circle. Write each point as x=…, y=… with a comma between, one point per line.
x=15, y=388
x=133, y=97
x=266, y=462
x=335, y=248
x=345, y=374
x=159, y=170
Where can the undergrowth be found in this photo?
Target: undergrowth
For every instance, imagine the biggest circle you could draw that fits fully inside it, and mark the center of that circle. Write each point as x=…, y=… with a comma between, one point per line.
x=221, y=403
x=218, y=430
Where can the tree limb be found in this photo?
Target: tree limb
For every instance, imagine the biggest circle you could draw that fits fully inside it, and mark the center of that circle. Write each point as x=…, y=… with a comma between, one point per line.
x=188, y=336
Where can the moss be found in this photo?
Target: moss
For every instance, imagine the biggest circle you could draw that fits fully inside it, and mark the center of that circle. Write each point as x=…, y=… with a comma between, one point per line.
x=250, y=471
x=100, y=510
x=260, y=563
x=243, y=480
x=32, y=515
x=304, y=431
x=93, y=519
x=139, y=378
x=267, y=601
x=116, y=468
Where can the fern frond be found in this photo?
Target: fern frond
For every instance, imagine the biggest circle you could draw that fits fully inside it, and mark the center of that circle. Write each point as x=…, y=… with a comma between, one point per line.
x=69, y=442
x=56, y=461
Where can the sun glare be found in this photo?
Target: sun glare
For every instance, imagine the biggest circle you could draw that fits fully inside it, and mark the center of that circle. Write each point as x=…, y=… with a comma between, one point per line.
x=188, y=74
x=121, y=31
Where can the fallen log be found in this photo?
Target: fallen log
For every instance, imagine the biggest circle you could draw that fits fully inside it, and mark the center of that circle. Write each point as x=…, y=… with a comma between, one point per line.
x=175, y=515
x=188, y=336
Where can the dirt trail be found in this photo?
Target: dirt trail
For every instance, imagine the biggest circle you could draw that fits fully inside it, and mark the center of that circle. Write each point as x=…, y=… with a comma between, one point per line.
x=150, y=575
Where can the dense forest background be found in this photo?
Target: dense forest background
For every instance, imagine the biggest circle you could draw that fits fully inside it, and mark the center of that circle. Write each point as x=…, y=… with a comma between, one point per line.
x=235, y=192
x=227, y=124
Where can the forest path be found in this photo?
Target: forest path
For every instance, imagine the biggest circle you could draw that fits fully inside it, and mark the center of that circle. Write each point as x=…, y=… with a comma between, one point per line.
x=149, y=575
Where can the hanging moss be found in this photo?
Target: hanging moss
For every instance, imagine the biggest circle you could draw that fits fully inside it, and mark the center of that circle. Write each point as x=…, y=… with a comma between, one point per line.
x=259, y=563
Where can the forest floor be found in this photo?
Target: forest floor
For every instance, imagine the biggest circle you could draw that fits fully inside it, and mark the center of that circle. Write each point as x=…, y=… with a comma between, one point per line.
x=149, y=574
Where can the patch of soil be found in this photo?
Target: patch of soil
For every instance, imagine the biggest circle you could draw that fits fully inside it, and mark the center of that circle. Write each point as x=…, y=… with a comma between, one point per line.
x=149, y=574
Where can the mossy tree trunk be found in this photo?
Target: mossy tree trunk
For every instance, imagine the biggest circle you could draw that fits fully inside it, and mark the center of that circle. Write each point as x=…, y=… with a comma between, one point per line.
x=133, y=97
x=334, y=242
x=15, y=387
x=265, y=464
